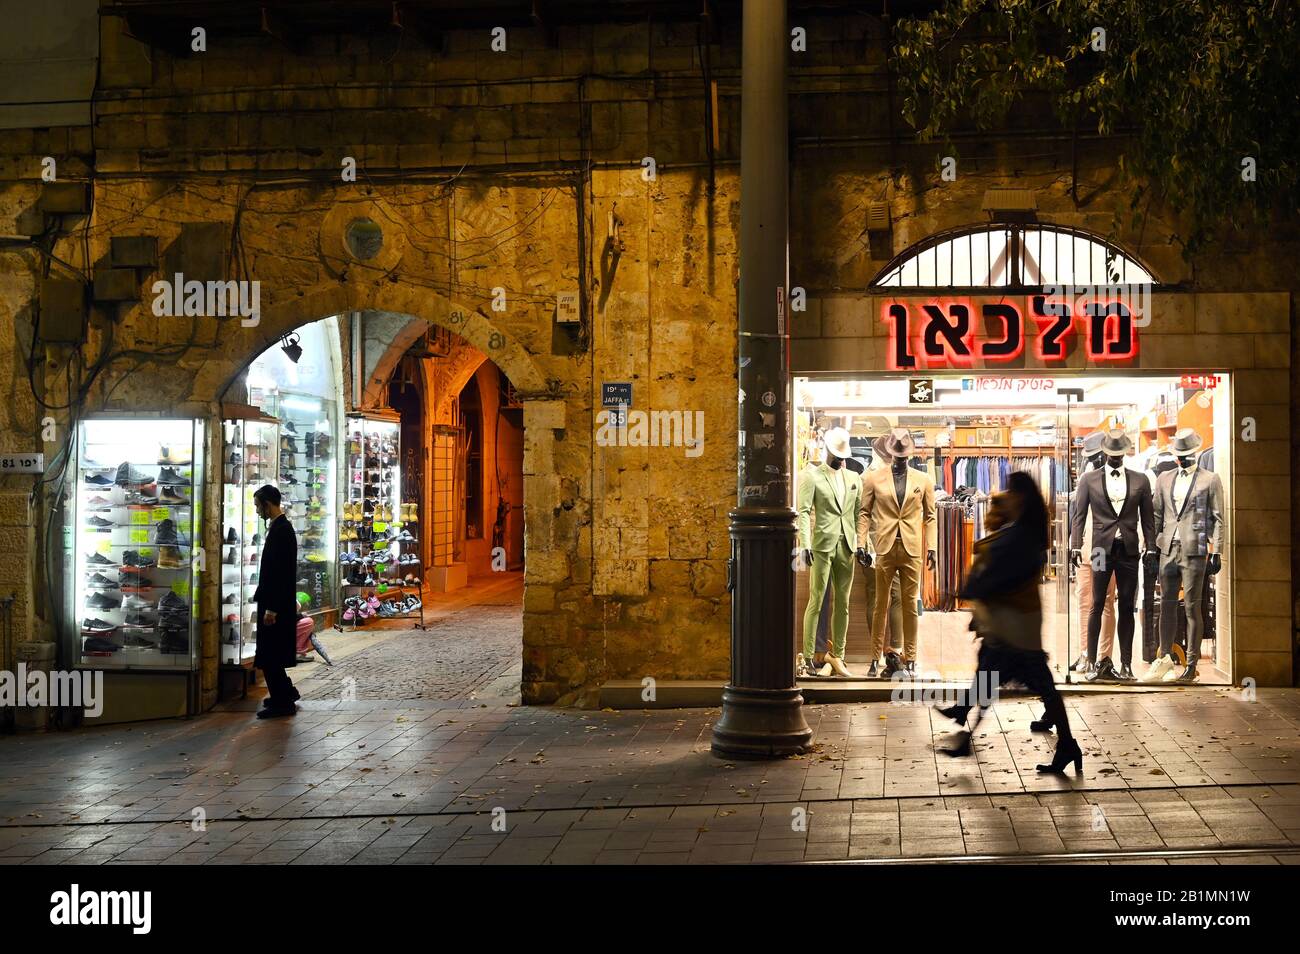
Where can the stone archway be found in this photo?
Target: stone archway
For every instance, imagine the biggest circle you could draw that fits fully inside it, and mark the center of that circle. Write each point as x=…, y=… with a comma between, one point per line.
x=543, y=403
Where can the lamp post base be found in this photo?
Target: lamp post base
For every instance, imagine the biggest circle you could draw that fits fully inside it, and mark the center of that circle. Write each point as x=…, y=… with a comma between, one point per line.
x=761, y=724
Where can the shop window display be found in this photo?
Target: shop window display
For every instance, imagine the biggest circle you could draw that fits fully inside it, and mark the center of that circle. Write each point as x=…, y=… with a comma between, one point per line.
x=302, y=396
x=1137, y=588
x=250, y=458
x=382, y=573
x=135, y=518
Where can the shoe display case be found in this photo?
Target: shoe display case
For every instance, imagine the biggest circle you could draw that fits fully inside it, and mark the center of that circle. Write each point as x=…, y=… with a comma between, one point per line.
x=134, y=518
x=250, y=458
x=307, y=476
x=375, y=547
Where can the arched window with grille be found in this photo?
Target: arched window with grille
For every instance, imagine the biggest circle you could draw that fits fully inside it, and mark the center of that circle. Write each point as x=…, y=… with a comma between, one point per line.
x=1012, y=256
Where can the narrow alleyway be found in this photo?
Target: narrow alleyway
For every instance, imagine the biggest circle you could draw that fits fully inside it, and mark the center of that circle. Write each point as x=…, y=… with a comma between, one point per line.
x=471, y=647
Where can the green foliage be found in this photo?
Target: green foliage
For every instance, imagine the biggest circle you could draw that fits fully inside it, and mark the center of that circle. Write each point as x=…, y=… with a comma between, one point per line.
x=1189, y=87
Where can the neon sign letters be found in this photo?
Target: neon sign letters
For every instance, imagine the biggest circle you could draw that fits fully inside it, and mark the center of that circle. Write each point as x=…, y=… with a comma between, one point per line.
x=942, y=333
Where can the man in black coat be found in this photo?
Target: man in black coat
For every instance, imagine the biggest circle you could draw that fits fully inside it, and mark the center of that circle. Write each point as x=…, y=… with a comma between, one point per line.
x=277, y=607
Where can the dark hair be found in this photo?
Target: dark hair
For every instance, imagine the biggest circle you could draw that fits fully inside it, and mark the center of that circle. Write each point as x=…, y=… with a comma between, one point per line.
x=1034, y=518
x=268, y=494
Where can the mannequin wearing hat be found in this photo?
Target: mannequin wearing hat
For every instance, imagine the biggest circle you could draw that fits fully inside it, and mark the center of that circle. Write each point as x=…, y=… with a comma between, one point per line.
x=899, y=518
x=829, y=495
x=1093, y=459
x=1189, y=534
x=1118, y=500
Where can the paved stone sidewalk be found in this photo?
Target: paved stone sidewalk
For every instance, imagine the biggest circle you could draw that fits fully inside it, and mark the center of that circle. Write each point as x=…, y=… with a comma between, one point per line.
x=1197, y=826
x=1198, y=768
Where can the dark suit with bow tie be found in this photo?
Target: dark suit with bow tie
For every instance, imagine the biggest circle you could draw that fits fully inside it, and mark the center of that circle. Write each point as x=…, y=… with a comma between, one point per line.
x=1114, y=547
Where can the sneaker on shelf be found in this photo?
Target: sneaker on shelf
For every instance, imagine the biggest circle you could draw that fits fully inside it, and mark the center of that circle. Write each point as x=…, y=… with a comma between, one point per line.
x=165, y=533
x=99, y=524
x=169, y=558
x=230, y=535
x=98, y=504
x=235, y=458
x=169, y=496
x=136, y=603
x=231, y=599
x=98, y=645
x=134, y=561
x=99, y=559
x=140, y=619
x=143, y=642
x=128, y=475
x=99, y=581
x=98, y=480
x=169, y=476
x=93, y=624
x=168, y=455
x=175, y=642
x=103, y=601
x=138, y=498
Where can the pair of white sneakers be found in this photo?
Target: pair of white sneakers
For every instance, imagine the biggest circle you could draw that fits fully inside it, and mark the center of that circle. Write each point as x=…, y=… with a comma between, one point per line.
x=1163, y=669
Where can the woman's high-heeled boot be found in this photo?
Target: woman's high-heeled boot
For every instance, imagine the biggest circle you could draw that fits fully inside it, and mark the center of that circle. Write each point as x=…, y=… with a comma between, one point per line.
x=1067, y=751
x=961, y=746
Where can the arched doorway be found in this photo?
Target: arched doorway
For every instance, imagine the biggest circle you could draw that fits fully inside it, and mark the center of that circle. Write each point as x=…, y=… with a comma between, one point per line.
x=448, y=624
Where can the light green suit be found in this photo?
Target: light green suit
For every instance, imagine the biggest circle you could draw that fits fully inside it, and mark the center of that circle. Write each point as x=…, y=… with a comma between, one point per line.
x=828, y=526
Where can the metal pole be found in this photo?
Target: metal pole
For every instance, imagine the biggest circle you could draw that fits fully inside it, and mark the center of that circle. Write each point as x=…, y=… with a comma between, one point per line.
x=762, y=714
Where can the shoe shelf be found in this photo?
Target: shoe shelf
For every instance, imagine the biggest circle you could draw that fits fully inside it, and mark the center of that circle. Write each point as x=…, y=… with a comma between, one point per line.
x=131, y=555
x=372, y=536
x=250, y=455
x=307, y=468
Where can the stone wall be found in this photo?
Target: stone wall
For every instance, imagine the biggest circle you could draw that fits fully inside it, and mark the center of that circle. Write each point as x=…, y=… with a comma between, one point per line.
x=524, y=172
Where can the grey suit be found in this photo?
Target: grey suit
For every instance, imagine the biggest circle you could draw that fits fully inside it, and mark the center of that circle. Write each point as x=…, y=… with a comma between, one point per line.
x=1199, y=525
x=1185, y=537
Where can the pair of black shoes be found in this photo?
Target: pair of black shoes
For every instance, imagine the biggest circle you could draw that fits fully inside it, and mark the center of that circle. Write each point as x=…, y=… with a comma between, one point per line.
x=270, y=710
x=1105, y=670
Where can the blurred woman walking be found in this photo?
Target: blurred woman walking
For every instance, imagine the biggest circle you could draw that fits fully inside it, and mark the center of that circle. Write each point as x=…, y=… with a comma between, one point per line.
x=1007, y=616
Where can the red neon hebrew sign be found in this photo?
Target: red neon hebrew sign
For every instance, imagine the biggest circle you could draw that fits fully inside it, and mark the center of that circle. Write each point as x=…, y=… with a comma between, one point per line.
x=942, y=332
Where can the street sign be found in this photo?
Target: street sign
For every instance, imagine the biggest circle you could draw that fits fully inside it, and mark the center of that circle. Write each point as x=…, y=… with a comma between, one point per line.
x=616, y=394
x=22, y=464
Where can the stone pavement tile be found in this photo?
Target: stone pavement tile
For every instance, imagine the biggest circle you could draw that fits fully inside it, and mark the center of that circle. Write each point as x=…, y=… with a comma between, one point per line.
x=665, y=858
x=826, y=850
x=721, y=854
x=777, y=855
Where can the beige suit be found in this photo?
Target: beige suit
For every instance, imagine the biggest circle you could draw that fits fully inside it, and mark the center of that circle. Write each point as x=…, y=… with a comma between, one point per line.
x=900, y=533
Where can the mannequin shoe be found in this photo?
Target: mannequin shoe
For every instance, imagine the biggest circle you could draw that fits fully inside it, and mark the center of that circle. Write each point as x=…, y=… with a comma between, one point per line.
x=837, y=665
x=1161, y=666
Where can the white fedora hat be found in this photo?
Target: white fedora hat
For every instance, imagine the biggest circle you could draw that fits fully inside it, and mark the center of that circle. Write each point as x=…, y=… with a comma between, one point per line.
x=837, y=442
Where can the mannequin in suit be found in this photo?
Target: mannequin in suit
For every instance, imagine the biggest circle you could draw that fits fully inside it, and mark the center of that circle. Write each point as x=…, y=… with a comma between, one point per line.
x=829, y=495
x=1093, y=459
x=881, y=460
x=899, y=518
x=824, y=615
x=1118, y=499
x=1189, y=534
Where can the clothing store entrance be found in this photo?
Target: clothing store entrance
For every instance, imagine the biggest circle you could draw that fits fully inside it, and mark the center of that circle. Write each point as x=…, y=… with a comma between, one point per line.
x=968, y=432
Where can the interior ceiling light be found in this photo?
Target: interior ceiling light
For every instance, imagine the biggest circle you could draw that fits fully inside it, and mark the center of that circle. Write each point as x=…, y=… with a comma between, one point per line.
x=290, y=346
